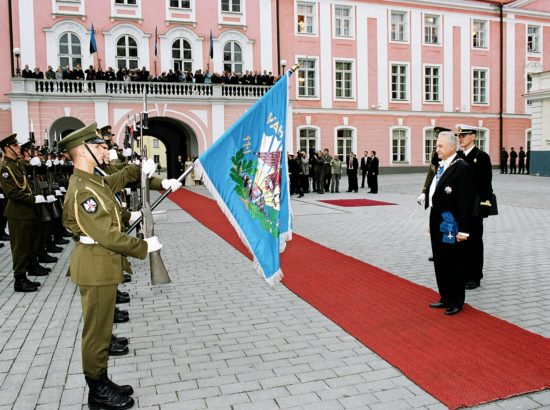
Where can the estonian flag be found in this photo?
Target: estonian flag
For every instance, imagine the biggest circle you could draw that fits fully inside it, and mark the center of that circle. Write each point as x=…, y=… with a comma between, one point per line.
x=93, y=45
x=211, y=46
x=156, y=36
x=246, y=172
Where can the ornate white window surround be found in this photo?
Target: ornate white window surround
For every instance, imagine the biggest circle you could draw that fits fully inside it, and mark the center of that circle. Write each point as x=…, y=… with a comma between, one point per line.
x=195, y=41
x=53, y=35
x=112, y=36
x=246, y=47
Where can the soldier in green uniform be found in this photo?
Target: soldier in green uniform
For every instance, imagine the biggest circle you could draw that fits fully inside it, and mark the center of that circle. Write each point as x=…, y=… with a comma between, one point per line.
x=92, y=213
x=21, y=213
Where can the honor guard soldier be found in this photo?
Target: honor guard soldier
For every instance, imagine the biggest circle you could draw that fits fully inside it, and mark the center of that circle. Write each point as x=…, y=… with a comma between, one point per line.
x=22, y=215
x=92, y=213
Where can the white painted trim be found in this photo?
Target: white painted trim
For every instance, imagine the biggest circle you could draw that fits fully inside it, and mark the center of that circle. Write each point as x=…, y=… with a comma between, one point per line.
x=101, y=113
x=382, y=59
x=487, y=88
x=218, y=121
x=315, y=19
x=165, y=47
x=352, y=25
x=465, y=68
x=26, y=34
x=416, y=75
x=115, y=7
x=487, y=138
x=266, y=39
x=123, y=29
x=317, y=135
x=245, y=43
x=353, y=139
x=317, y=81
x=407, y=31
x=422, y=159
x=242, y=14
x=407, y=148
x=510, y=66
x=448, y=58
x=408, y=79
x=325, y=56
x=441, y=37
x=488, y=32
x=192, y=11
x=20, y=119
x=362, y=58
x=441, y=82
x=353, y=79
x=53, y=35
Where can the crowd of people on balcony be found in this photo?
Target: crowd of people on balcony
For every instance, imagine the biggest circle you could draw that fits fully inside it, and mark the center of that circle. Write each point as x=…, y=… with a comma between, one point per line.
x=257, y=77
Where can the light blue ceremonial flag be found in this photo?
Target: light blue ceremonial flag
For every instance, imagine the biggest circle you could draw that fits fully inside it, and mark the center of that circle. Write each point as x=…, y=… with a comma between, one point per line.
x=93, y=45
x=246, y=172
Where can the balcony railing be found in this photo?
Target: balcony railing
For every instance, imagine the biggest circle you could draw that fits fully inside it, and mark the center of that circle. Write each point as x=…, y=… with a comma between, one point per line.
x=64, y=88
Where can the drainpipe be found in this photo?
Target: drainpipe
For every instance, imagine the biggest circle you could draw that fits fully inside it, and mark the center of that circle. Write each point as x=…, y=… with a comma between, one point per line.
x=278, y=39
x=501, y=109
x=11, y=37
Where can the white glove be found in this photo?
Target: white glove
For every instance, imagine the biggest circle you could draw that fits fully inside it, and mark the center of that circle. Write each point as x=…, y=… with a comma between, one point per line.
x=421, y=199
x=49, y=163
x=51, y=198
x=62, y=189
x=112, y=154
x=39, y=199
x=134, y=216
x=61, y=162
x=2, y=196
x=172, y=184
x=153, y=244
x=58, y=192
x=56, y=162
x=35, y=162
x=149, y=167
x=127, y=152
x=128, y=191
x=136, y=161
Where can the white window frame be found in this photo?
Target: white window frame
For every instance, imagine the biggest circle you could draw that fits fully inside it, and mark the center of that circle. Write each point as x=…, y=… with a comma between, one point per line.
x=127, y=57
x=350, y=19
x=183, y=60
x=233, y=62
x=405, y=38
x=483, y=143
x=439, y=84
x=352, y=78
x=528, y=85
x=528, y=139
x=425, y=145
x=487, y=83
x=407, y=85
x=314, y=31
x=317, y=131
x=407, y=150
x=486, y=43
x=231, y=11
x=353, y=141
x=316, y=96
x=69, y=54
x=538, y=39
x=179, y=7
x=438, y=29
x=125, y=3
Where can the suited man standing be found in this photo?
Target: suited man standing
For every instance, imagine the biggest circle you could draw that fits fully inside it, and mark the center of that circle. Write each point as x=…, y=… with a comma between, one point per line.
x=521, y=157
x=480, y=162
x=353, y=164
x=513, y=160
x=450, y=198
x=365, y=162
x=372, y=178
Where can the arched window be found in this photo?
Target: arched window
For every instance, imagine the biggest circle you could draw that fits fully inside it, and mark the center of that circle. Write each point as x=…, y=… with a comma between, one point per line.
x=528, y=140
x=429, y=144
x=232, y=57
x=399, y=141
x=182, y=58
x=127, y=52
x=308, y=139
x=344, y=142
x=70, y=53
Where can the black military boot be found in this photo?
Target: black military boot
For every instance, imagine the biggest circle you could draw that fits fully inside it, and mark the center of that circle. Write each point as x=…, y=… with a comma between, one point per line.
x=37, y=270
x=4, y=236
x=122, y=297
x=52, y=248
x=33, y=283
x=45, y=258
x=22, y=284
x=104, y=395
x=120, y=340
x=127, y=277
x=120, y=316
x=59, y=240
x=116, y=349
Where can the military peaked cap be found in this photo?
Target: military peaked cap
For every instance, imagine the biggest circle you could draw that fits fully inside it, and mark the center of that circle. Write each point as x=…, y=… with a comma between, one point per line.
x=26, y=145
x=465, y=129
x=437, y=130
x=106, y=131
x=9, y=140
x=83, y=135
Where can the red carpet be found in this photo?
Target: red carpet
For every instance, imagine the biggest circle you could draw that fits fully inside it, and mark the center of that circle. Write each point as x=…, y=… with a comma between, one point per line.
x=354, y=202
x=463, y=360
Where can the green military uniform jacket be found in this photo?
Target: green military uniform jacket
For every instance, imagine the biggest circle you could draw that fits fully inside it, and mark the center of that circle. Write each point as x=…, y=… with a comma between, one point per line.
x=92, y=210
x=16, y=187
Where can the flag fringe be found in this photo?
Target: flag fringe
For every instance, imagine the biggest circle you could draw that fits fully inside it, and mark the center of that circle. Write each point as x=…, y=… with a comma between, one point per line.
x=277, y=276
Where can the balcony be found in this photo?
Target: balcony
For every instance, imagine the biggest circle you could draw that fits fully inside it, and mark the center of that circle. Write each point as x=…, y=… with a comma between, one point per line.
x=119, y=90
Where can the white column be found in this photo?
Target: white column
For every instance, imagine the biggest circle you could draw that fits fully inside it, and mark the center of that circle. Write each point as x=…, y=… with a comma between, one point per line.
x=26, y=33
x=218, y=121
x=382, y=56
x=266, y=39
x=416, y=61
x=448, y=64
x=325, y=60
x=465, y=68
x=510, y=80
x=362, y=69
x=20, y=119
x=101, y=113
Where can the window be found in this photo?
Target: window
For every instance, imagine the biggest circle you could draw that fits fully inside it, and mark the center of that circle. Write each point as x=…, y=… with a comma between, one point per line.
x=231, y=6
x=342, y=21
x=479, y=86
x=306, y=17
x=429, y=144
x=528, y=144
x=344, y=82
x=399, y=145
x=232, y=57
x=156, y=159
x=398, y=26
x=399, y=82
x=308, y=139
x=70, y=53
x=133, y=2
x=155, y=144
x=127, y=53
x=182, y=59
x=528, y=85
x=431, y=29
x=479, y=34
x=533, y=39
x=180, y=4
x=431, y=84
x=481, y=140
x=306, y=78
x=344, y=141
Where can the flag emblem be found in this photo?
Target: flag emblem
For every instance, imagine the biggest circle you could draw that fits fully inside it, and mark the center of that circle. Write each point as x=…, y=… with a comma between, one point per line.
x=90, y=205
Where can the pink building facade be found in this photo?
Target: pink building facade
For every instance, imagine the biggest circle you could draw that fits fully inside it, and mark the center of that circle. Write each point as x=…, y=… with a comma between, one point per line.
x=374, y=75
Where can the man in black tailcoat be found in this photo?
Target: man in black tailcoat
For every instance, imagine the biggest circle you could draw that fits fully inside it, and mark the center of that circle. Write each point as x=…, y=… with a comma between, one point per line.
x=451, y=198
x=372, y=178
x=352, y=164
x=480, y=162
x=365, y=162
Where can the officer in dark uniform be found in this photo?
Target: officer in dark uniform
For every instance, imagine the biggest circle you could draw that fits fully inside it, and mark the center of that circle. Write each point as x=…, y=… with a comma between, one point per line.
x=21, y=213
x=93, y=215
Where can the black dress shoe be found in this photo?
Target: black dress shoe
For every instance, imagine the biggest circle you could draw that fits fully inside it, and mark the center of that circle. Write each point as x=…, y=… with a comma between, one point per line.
x=54, y=249
x=120, y=292
x=38, y=270
x=104, y=394
x=122, y=299
x=4, y=236
x=45, y=258
x=120, y=316
x=120, y=340
x=60, y=241
x=453, y=310
x=35, y=284
x=116, y=349
x=431, y=258
x=127, y=278
x=24, y=286
x=437, y=305
x=472, y=284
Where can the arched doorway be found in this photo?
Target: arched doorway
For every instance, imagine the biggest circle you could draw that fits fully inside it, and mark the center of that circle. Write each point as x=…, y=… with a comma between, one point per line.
x=61, y=128
x=178, y=138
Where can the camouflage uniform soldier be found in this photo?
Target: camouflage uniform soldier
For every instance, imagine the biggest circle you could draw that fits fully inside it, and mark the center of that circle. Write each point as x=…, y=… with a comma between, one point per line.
x=92, y=214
